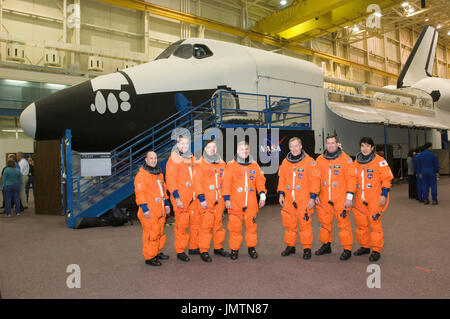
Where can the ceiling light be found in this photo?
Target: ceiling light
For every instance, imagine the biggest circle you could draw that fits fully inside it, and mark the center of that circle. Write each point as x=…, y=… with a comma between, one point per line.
x=426, y=20
x=448, y=33
x=411, y=10
x=377, y=14
x=438, y=26
x=17, y=82
x=56, y=86
x=283, y=2
x=12, y=131
x=405, y=4
x=355, y=28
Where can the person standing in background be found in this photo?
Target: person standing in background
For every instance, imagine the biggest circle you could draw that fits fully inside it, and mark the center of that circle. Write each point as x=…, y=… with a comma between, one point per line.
x=429, y=170
x=416, y=166
x=13, y=158
x=412, y=179
x=30, y=182
x=11, y=184
x=24, y=170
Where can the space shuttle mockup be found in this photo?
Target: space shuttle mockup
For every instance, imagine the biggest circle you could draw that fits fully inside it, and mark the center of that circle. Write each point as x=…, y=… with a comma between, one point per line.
x=111, y=109
x=107, y=111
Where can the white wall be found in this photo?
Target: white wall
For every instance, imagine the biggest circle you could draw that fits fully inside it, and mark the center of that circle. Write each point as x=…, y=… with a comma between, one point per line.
x=10, y=145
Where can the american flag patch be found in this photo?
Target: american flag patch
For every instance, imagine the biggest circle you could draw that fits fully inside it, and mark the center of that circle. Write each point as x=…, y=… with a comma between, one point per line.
x=383, y=163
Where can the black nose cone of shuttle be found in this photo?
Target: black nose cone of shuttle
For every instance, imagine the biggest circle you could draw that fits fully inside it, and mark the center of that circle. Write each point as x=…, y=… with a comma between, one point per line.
x=99, y=119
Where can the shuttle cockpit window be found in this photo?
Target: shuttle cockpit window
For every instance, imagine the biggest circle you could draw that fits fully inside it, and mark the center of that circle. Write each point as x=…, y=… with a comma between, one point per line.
x=184, y=51
x=201, y=51
x=170, y=50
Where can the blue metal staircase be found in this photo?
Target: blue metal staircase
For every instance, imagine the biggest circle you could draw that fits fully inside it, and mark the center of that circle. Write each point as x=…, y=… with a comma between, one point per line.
x=89, y=197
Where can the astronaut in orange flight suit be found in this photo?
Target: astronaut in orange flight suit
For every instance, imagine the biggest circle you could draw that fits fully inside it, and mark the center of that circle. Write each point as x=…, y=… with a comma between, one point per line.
x=151, y=197
x=243, y=179
x=208, y=180
x=179, y=177
x=372, y=199
x=338, y=186
x=298, y=186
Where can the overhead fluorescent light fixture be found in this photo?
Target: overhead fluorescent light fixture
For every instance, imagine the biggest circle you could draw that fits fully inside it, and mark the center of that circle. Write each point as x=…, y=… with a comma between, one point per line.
x=56, y=86
x=12, y=131
x=16, y=82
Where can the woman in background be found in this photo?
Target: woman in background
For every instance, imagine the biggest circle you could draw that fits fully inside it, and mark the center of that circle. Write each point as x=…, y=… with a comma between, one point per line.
x=11, y=183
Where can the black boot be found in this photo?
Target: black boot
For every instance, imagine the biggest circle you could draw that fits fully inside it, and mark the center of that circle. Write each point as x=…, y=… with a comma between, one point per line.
x=426, y=202
x=221, y=252
x=183, y=257
x=307, y=253
x=162, y=256
x=362, y=251
x=194, y=251
x=325, y=249
x=346, y=254
x=374, y=256
x=234, y=254
x=153, y=262
x=206, y=257
x=289, y=250
x=252, y=252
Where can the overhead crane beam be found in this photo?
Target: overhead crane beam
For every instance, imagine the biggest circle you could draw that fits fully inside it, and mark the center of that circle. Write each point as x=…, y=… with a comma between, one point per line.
x=308, y=19
x=332, y=21
x=228, y=29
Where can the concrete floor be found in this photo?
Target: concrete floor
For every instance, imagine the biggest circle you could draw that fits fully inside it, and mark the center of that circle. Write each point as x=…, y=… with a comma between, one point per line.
x=35, y=251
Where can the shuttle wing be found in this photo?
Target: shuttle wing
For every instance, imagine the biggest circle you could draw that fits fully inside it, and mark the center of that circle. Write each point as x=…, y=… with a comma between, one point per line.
x=364, y=109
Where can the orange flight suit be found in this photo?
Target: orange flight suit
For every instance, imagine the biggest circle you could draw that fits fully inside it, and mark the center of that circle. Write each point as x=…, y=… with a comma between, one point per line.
x=151, y=193
x=338, y=179
x=179, y=178
x=298, y=182
x=240, y=184
x=374, y=180
x=208, y=178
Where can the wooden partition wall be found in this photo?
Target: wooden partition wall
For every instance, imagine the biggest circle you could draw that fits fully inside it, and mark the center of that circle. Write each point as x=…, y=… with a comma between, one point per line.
x=47, y=177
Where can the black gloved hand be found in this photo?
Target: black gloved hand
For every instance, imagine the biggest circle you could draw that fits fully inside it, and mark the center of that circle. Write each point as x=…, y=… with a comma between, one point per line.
x=306, y=217
x=375, y=217
x=343, y=214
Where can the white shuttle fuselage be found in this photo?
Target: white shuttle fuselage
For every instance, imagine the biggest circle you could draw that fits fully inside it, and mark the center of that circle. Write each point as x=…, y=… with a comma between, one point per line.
x=118, y=106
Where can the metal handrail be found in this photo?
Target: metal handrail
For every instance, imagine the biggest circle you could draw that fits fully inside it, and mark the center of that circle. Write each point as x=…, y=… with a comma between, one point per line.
x=136, y=153
x=131, y=154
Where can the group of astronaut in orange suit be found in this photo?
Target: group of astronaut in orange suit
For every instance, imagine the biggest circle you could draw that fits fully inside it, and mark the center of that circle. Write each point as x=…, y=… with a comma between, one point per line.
x=202, y=188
